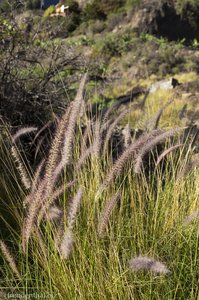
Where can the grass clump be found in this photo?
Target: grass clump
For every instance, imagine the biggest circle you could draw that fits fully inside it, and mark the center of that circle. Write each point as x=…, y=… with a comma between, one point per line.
x=85, y=229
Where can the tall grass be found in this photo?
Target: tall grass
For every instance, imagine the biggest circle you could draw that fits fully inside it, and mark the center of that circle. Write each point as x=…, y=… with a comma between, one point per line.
x=98, y=230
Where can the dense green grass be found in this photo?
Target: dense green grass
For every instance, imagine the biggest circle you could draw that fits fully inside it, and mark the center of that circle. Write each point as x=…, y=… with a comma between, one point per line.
x=148, y=221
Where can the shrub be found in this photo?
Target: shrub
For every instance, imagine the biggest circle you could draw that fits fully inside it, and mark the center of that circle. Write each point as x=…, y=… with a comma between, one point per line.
x=93, y=11
x=95, y=26
x=113, y=20
x=73, y=6
x=189, y=10
x=33, y=4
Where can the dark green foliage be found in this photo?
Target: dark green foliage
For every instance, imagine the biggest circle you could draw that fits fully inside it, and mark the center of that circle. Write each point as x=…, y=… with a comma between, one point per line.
x=100, y=9
x=33, y=4
x=189, y=10
x=93, y=11
x=7, y=6
x=73, y=6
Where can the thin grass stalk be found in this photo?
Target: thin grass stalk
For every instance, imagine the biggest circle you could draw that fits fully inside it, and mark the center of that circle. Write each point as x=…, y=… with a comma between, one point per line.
x=153, y=122
x=166, y=152
x=21, y=132
x=105, y=215
x=83, y=158
x=150, y=145
x=56, y=194
x=189, y=167
x=130, y=152
x=75, y=203
x=112, y=127
x=33, y=208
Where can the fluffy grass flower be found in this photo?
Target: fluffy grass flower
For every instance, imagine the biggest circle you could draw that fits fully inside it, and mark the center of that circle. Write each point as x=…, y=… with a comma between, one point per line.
x=146, y=263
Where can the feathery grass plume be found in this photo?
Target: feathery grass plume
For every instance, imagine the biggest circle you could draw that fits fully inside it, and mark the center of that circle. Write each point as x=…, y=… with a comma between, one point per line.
x=33, y=208
x=86, y=134
x=51, y=198
x=22, y=131
x=104, y=217
x=153, y=122
x=193, y=216
x=182, y=112
x=41, y=242
x=150, y=145
x=113, y=125
x=25, y=178
x=109, y=111
x=66, y=244
x=34, y=183
x=127, y=135
x=167, y=151
x=83, y=158
x=9, y=258
x=97, y=140
x=37, y=175
x=190, y=166
x=59, y=233
x=148, y=264
x=56, y=146
x=54, y=213
x=69, y=135
x=75, y=203
x=48, y=124
x=105, y=126
x=130, y=152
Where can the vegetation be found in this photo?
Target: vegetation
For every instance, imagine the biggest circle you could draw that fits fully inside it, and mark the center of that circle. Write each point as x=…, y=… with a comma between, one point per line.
x=111, y=211
x=99, y=155
x=49, y=11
